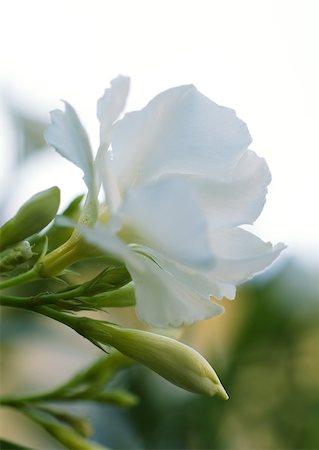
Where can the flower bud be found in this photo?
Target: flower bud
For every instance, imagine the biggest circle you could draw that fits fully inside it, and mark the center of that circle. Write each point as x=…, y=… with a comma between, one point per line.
x=31, y=218
x=117, y=397
x=178, y=363
x=111, y=279
x=68, y=437
x=78, y=424
x=118, y=298
x=13, y=256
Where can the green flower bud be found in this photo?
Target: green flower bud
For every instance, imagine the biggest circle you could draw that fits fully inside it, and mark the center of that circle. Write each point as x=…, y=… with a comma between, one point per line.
x=109, y=279
x=68, y=437
x=78, y=424
x=117, y=397
x=119, y=298
x=31, y=218
x=12, y=257
x=178, y=363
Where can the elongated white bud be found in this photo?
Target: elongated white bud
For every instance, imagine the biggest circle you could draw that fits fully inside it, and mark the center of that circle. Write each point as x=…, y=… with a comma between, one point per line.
x=178, y=363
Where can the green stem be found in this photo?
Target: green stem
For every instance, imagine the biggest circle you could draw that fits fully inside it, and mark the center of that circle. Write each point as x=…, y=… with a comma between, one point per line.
x=71, y=321
x=17, y=402
x=42, y=299
x=25, y=277
x=51, y=298
x=16, y=302
x=20, y=402
x=26, y=303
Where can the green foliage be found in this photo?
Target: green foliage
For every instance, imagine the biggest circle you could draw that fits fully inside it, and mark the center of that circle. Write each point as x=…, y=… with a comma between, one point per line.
x=86, y=385
x=106, y=288
x=67, y=435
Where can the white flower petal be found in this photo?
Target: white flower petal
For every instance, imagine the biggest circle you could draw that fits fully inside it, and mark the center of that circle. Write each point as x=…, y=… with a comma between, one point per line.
x=228, y=291
x=67, y=135
x=109, y=107
x=162, y=300
x=165, y=216
x=111, y=104
x=241, y=255
x=204, y=283
x=109, y=183
x=179, y=131
x=104, y=238
x=236, y=200
x=240, y=198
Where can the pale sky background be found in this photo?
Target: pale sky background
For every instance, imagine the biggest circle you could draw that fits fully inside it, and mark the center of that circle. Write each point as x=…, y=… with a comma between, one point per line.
x=259, y=57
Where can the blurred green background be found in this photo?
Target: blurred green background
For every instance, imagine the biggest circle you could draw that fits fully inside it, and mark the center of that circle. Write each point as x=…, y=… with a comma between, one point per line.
x=265, y=349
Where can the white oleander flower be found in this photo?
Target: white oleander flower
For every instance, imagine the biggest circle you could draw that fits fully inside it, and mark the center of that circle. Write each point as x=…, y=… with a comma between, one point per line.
x=179, y=181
